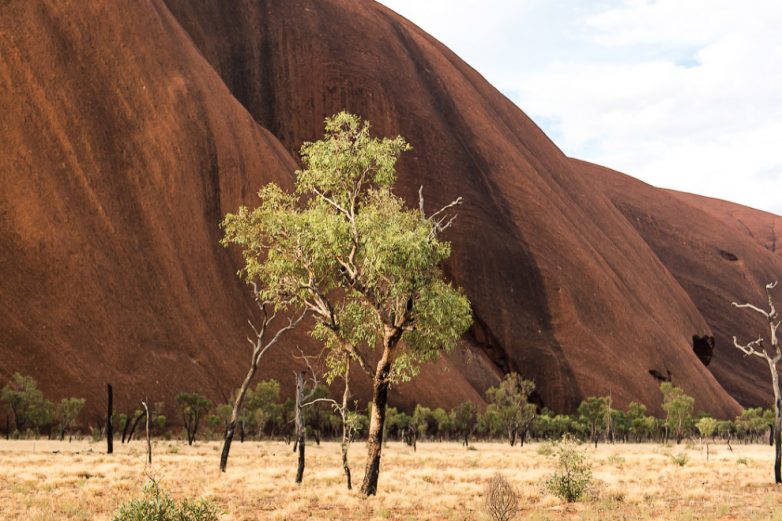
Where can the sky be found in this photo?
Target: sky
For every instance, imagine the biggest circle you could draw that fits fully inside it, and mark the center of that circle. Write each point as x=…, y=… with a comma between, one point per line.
x=683, y=94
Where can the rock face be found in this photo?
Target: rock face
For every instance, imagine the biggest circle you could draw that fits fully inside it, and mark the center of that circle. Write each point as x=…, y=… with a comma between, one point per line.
x=132, y=127
x=720, y=253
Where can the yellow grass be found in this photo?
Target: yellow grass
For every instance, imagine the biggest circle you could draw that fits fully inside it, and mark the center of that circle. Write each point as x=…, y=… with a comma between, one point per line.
x=46, y=480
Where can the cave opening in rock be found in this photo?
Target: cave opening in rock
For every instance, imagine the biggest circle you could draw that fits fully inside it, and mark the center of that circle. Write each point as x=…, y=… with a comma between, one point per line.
x=703, y=346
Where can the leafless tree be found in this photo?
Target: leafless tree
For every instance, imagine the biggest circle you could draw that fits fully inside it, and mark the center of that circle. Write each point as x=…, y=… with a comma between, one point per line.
x=772, y=357
x=502, y=499
x=305, y=399
x=260, y=344
x=149, y=441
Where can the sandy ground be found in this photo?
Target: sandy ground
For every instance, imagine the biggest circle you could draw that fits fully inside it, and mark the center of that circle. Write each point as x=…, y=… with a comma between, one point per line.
x=47, y=480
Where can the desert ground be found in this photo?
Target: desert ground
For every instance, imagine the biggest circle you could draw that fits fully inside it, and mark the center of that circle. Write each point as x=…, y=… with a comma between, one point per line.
x=48, y=480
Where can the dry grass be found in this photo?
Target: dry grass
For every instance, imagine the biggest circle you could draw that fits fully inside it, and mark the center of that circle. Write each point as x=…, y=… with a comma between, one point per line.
x=440, y=481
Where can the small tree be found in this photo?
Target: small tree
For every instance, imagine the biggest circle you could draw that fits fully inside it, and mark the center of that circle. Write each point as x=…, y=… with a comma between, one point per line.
x=26, y=402
x=638, y=424
x=346, y=249
x=573, y=472
x=594, y=412
x=262, y=340
x=193, y=407
x=66, y=413
x=706, y=427
x=465, y=419
x=772, y=358
x=509, y=401
x=678, y=407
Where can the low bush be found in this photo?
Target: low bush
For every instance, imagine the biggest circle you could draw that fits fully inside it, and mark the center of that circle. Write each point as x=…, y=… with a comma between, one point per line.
x=680, y=459
x=573, y=473
x=502, y=499
x=156, y=505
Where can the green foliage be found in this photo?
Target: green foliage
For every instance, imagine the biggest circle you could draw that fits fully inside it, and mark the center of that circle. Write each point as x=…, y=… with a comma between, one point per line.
x=27, y=404
x=344, y=247
x=193, y=407
x=464, y=418
x=706, y=427
x=678, y=407
x=423, y=422
x=396, y=422
x=751, y=423
x=509, y=406
x=573, y=472
x=594, y=411
x=156, y=505
x=680, y=459
x=67, y=411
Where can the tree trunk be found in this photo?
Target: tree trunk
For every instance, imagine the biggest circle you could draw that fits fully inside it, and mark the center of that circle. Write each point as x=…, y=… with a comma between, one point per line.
x=149, y=441
x=346, y=432
x=125, y=429
x=778, y=427
x=7, y=426
x=345, y=465
x=375, y=438
x=109, y=419
x=299, y=421
x=133, y=427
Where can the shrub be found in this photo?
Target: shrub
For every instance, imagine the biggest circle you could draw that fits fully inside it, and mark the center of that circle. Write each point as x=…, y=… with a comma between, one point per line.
x=742, y=461
x=680, y=459
x=156, y=505
x=573, y=472
x=502, y=499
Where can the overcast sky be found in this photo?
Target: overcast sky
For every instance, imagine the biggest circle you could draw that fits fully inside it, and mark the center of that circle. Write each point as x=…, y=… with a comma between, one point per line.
x=684, y=94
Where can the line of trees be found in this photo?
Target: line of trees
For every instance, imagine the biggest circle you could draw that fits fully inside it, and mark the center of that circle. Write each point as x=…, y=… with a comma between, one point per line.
x=32, y=414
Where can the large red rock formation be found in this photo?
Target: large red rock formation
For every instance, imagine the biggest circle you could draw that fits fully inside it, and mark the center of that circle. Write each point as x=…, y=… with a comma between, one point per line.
x=132, y=127
x=720, y=253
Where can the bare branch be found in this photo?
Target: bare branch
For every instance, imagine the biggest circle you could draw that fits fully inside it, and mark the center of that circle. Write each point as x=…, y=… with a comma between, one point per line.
x=453, y=203
x=751, y=349
x=319, y=400
x=750, y=306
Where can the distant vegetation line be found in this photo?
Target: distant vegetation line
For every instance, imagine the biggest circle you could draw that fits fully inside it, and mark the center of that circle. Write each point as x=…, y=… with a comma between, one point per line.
x=266, y=414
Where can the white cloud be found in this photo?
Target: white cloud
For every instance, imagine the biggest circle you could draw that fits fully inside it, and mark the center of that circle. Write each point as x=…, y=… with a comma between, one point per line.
x=685, y=94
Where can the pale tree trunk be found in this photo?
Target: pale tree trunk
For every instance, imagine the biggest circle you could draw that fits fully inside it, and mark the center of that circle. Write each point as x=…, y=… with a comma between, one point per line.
x=778, y=423
x=757, y=348
x=345, y=427
x=149, y=441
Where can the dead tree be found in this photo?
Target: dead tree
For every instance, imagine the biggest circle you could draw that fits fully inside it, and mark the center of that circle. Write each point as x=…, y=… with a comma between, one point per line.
x=304, y=399
x=136, y=419
x=259, y=347
x=149, y=442
x=109, y=420
x=758, y=348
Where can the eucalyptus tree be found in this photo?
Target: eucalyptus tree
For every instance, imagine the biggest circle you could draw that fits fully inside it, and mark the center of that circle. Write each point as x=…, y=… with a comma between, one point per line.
x=772, y=356
x=345, y=248
x=594, y=410
x=509, y=401
x=678, y=407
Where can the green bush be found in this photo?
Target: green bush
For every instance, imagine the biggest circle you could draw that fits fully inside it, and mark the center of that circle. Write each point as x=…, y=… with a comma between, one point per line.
x=680, y=460
x=573, y=473
x=156, y=505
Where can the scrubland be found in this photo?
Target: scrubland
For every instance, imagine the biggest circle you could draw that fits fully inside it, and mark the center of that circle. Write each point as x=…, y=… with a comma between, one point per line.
x=48, y=480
